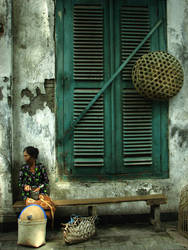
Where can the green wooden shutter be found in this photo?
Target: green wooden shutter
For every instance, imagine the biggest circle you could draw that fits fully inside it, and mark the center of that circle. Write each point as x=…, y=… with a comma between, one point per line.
x=88, y=42
x=122, y=135
x=137, y=113
x=87, y=142
x=141, y=119
x=135, y=24
x=137, y=130
x=89, y=134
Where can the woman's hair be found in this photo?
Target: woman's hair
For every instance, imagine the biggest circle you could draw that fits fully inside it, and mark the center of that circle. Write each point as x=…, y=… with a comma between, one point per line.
x=33, y=152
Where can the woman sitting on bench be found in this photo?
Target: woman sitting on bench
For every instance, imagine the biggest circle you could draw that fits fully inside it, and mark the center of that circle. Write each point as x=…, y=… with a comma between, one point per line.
x=33, y=177
x=33, y=181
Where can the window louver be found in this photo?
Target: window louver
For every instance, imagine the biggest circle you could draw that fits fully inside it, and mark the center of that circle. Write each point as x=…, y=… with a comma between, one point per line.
x=134, y=26
x=89, y=133
x=88, y=43
x=137, y=130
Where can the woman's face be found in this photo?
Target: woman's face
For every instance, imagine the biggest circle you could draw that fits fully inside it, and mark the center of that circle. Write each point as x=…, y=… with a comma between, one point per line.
x=28, y=158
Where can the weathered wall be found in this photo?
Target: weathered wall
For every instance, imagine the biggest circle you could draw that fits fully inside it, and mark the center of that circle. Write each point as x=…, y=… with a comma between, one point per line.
x=178, y=112
x=34, y=117
x=5, y=111
x=34, y=73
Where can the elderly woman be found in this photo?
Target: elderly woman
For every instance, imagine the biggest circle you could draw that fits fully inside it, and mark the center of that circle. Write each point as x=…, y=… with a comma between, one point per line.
x=33, y=181
x=33, y=176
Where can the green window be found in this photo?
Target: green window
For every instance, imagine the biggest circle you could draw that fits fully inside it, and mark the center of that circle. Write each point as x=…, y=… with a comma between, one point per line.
x=122, y=135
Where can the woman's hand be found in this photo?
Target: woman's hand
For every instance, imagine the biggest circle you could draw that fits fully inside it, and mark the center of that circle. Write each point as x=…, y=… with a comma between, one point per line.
x=27, y=188
x=37, y=189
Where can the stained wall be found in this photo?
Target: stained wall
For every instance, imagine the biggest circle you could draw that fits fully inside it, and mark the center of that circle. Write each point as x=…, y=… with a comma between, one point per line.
x=5, y=112
x=28, y=112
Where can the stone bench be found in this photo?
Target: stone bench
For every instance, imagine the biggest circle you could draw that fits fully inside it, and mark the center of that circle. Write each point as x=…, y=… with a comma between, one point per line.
x=153, y=200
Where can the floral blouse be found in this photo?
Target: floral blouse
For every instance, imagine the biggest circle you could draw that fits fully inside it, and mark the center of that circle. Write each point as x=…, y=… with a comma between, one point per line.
x=36, y=179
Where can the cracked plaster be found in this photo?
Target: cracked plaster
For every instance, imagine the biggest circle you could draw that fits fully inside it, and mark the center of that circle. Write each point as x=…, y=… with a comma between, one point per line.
x=34, y=61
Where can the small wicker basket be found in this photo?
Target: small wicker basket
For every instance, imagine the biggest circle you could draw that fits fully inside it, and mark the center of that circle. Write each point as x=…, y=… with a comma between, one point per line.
x=81, y=229
x=157, y=75
x=183, y=212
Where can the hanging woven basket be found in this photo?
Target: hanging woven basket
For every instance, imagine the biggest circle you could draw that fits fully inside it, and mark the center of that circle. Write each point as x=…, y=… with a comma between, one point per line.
x=157, y=75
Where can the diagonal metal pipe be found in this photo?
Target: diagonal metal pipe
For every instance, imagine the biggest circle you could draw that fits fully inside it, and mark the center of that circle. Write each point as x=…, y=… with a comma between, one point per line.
x=109, y=82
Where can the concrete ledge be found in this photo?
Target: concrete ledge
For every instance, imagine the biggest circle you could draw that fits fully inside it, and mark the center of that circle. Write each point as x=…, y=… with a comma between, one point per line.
x=8, y=222
x=8, y=227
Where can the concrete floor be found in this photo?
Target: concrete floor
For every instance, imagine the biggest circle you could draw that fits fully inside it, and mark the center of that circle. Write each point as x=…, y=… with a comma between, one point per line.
x=110, y=236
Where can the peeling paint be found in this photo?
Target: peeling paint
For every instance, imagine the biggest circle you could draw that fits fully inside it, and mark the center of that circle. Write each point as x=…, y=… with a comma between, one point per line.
x=37, y=102
x=149, y=188
x=1, y=93
x=182, y=136
x=173, y=131
x=1, y=29
x=34, y=61
x=60, y=15
x=9, y=101
x=5, y=79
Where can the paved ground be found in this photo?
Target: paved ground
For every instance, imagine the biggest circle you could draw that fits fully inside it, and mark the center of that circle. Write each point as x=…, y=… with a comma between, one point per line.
x=133, y=236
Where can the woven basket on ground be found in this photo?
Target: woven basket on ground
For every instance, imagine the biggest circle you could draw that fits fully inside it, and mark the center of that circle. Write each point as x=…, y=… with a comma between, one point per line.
x=81, y=229
x=157, y=75
x=183, y=212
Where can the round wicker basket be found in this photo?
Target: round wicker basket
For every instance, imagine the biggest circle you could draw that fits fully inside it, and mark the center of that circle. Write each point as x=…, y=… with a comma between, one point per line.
x=157, y=75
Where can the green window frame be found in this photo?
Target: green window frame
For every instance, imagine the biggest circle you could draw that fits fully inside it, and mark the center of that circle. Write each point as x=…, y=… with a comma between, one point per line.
x=122, y=136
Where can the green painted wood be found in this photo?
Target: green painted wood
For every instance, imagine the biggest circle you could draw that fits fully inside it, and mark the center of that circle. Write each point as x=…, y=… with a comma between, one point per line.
x=87, y=158
x=59, y=81
x=108, y=150
x=109, y=163
x=135, y=24
x=134, y=137
x=111, y=168
x=135, y=3
x=160, y=128
x=69, y=85
x=108, y=83
x=117, y=115
x=136, y=111
x=88, y=43
x=89, y=134
x=164, y=170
